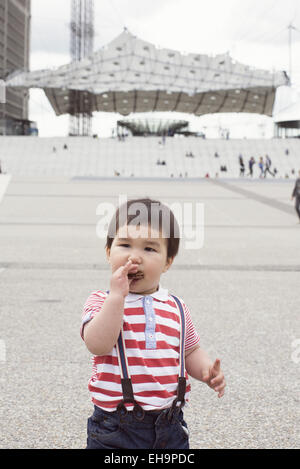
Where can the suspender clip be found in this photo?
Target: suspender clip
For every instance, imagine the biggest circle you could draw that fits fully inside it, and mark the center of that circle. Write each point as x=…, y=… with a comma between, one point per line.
x=179, y=401
x=128, y=398
x=138, y=411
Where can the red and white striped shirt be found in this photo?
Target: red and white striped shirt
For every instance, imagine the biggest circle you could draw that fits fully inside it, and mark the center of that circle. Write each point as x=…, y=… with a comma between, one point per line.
x=152, y=341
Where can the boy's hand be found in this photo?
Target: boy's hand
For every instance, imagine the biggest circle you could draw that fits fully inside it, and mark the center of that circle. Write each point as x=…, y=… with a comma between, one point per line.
x=214, y=378
x=119, y=282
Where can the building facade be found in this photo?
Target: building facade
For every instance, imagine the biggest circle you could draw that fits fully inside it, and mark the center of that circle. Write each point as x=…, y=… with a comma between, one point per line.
x=14, y=55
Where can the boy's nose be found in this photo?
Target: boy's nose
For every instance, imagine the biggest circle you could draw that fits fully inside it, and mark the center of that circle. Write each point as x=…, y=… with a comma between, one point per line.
x=135, y=258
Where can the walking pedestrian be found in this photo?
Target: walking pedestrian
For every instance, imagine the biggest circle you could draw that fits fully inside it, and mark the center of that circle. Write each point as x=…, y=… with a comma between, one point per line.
x=296, y=195
x=242, y=165
x=261, y=166
x=251, y=163
x=268, y=164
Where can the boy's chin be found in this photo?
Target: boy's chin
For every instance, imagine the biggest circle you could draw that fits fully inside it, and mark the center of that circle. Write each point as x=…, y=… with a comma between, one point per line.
x=141, y=289
x=136, y=288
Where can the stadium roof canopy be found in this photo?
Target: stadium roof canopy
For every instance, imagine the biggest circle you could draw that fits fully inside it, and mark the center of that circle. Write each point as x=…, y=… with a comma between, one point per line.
x=289, y=118
x=131, y=75
x=286, y=111
x=140, y=127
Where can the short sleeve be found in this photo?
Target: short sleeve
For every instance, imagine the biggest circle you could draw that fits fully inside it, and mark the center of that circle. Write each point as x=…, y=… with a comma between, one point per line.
x=92, y=306
x=191, y=335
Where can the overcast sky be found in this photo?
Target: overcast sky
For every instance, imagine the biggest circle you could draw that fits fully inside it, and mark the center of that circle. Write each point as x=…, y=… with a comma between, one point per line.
x=254, y=32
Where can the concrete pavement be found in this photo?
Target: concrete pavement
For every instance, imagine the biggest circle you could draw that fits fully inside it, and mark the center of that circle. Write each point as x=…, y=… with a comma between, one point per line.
x=242, y=288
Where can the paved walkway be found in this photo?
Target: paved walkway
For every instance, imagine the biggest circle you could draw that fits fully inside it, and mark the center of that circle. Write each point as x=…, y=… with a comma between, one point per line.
x=242, y=288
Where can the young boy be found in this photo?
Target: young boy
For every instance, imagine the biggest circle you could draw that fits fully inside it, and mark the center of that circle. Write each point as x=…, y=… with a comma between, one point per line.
x=143, y=339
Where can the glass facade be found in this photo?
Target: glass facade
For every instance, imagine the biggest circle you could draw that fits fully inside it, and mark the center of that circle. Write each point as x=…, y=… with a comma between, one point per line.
x=14, y=55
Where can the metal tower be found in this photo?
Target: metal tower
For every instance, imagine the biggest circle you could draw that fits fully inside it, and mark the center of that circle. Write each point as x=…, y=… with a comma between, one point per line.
x=82, y=44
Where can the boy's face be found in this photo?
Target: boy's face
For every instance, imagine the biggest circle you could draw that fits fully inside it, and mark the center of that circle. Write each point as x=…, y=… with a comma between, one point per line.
x=144, y=246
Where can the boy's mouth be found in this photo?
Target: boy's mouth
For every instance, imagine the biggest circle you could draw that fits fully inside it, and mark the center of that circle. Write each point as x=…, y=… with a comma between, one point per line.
x=136, y=276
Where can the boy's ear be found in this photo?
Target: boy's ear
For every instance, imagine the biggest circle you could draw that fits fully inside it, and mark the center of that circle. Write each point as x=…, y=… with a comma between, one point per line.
x=168, y=263
x=107, y=251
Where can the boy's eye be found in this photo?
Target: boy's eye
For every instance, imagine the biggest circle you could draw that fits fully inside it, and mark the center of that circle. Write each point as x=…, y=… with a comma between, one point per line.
x=147, y=248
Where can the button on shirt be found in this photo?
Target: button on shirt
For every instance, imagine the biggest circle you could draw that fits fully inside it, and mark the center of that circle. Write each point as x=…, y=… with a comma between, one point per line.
x=149, y=322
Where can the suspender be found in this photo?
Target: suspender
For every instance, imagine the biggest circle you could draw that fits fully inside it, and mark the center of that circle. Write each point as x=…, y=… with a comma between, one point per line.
x=126, y=383
x=181, y=378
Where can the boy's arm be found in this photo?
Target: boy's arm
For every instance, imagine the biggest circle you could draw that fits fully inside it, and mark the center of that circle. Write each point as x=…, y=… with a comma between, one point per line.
x=197, y=362
x=102, y=332
x=199, y=366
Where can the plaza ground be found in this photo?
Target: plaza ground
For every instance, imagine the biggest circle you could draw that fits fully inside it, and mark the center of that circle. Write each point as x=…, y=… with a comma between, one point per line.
x=241, y=286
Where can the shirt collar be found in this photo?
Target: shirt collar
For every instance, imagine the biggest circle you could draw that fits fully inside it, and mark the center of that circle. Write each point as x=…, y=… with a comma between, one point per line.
x=161, y=294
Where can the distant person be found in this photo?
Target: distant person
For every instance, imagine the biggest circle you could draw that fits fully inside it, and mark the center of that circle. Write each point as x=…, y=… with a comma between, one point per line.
x=287, y=151
x=296, y=195
x=268, y=164
x=65, y=146
x=261, y=166
x=251, y=163
x=242, y=165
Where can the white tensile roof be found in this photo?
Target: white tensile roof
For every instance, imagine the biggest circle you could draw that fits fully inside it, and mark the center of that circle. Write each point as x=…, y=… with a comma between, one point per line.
x=287, y=105
x=131, y=75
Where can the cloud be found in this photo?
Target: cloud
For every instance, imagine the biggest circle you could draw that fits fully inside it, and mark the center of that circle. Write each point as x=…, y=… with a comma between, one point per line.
x=51, y=21
x=50, y=30
x=40, y=60
x=186, y=25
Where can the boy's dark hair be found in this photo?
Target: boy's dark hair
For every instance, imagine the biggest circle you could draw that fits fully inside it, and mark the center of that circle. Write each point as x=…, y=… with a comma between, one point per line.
x=145, y=212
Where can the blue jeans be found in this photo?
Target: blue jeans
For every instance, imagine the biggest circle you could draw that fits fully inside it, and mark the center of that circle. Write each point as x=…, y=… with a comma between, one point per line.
x=111, y=430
